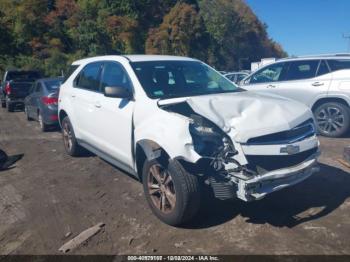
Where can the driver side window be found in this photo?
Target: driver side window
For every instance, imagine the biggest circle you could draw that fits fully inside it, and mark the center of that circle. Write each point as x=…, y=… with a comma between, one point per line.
x=271, y=73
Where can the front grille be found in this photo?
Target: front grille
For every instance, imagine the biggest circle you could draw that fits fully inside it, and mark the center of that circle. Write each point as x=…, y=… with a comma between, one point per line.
x=263, y=164
x=302, y=131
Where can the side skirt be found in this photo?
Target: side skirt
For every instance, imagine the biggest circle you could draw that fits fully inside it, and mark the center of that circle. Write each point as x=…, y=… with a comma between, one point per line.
x=108, y=158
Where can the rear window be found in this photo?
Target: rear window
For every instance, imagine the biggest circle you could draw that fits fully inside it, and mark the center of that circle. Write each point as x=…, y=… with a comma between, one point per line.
x=53, y=85
x=336, y=65
x=23, y=76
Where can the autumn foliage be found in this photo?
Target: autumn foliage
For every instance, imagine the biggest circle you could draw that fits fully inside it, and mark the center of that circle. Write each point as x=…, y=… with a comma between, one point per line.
x=49, y=34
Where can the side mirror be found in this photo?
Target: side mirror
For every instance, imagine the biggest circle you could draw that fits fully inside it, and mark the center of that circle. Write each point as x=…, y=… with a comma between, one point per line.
x=117, y=92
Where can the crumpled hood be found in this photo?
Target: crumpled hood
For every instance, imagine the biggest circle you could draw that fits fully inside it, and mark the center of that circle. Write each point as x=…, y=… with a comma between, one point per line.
x=244, y=115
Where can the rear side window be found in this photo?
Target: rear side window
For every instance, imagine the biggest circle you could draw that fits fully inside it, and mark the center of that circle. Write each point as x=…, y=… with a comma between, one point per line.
x=53, y=85
x=38, y=88
x=298, y=70
x=89, y=77
x=231, y=77
x=336, y=65
x=114, y=75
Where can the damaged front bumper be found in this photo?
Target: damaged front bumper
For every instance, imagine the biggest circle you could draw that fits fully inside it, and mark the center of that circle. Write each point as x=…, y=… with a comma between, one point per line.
x=259, y=186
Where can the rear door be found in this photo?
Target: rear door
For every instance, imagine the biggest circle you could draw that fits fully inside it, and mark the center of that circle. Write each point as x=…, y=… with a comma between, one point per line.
x=304, y=80
x=85, y=86
x=113, y=116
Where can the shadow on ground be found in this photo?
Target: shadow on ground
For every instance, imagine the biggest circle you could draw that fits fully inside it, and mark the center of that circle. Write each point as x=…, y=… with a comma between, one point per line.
x=314, y=198
x=7, y=162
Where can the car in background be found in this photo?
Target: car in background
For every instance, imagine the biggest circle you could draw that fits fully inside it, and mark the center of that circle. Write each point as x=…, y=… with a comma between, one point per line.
x=320, y=82
x=236, y=77
x=41, y=103
x=176, y=124
x=15, y=87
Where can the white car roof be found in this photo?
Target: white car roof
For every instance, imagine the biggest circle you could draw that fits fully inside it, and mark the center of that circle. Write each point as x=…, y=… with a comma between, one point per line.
x=316, y=57
x=134, y=58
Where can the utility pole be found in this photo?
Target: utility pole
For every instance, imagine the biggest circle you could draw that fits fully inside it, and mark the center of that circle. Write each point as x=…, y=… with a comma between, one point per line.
x=347, y=36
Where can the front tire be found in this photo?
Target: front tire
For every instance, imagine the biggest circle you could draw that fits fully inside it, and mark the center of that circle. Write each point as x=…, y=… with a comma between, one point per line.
x=172, y=193
x=332, y=119
x=70, y=142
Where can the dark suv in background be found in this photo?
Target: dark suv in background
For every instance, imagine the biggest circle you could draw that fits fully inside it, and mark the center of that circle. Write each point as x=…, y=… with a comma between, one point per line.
x=15, y=87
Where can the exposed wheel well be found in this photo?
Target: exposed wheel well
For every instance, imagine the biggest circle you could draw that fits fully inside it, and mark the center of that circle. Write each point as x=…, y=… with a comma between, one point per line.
x=62, y=115
x=327, y=100
x=141, y=154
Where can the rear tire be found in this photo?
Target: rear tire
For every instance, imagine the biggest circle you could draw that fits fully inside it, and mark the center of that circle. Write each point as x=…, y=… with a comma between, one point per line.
x=175, y=196
x=44, y=127
x=3, y=104
x=70, y=142
x=10, y=107
x=27, y=114
x=332, y=119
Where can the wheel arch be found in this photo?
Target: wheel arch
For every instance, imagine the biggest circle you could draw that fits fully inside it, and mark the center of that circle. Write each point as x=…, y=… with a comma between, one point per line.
x=62, y=114
x=328, y=100
x=147, y=150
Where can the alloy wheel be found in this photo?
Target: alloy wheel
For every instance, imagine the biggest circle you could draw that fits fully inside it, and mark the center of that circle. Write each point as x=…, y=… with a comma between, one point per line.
x=161, y=188
x=330, y=119
x=67, y=136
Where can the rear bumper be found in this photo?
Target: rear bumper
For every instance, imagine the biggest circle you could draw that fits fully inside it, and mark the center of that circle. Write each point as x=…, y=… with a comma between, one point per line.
x=262, y=185
x=50, y=115
x=13, y=100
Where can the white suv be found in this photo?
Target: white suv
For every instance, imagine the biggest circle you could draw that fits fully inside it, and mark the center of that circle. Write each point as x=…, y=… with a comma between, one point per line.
x=176, y=124
x=320, y=82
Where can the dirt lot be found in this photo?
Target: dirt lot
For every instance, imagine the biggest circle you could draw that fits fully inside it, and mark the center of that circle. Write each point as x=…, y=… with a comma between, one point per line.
x=48, y=194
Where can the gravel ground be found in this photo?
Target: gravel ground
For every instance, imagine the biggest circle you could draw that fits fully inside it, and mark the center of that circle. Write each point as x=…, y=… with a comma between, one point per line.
x=48, y=194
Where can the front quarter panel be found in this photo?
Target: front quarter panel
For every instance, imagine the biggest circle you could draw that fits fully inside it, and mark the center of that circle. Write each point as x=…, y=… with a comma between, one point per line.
x=169, y=130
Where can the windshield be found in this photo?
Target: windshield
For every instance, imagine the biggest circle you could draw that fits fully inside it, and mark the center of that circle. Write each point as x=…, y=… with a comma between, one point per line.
x=167, y=79
x=53, y=85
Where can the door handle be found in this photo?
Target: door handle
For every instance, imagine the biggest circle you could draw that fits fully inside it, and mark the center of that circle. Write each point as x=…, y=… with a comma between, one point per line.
x=318, y=84
x=271, y=86
x=98, y=105
x=73, y=96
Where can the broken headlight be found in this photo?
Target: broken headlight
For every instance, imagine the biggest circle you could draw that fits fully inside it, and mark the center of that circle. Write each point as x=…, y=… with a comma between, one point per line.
x=207, y=138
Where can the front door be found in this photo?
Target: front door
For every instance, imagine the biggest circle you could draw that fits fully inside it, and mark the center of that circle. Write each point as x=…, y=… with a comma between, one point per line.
x=266, y=79
x=113, y=116
x=304, y=80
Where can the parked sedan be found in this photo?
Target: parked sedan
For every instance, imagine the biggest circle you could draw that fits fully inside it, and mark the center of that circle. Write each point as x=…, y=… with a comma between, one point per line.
x=41, y=103
x=236, y=77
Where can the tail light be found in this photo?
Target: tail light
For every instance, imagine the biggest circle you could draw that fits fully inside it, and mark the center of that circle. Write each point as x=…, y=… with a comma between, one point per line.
x=49, y=100
x=8, y=89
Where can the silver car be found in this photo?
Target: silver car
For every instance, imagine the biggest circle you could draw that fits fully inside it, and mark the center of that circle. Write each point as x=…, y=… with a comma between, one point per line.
x=41, y=103
x=236, y=77
x=320, y=82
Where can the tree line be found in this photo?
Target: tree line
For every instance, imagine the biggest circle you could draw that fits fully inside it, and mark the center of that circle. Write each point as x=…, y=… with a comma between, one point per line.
x=49, y=34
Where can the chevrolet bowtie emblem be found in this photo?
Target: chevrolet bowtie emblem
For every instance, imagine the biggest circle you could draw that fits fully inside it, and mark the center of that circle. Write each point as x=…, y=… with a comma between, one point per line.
x=290, y=149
